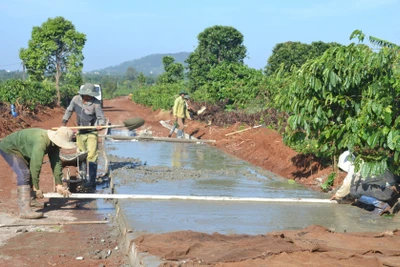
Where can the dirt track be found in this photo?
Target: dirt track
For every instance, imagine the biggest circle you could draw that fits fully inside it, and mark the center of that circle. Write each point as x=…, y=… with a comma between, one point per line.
x=59, y=246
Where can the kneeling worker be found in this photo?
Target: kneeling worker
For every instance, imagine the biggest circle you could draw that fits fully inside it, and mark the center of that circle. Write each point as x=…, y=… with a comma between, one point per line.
x=24, y=151
x=379, y=192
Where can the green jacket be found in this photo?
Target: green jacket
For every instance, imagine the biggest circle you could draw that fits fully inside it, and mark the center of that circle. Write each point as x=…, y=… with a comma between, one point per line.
x=180, y=107
x=32, y=145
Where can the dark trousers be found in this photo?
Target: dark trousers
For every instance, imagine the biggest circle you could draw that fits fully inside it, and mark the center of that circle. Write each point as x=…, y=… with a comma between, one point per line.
x=19, y=166
x=386, y=194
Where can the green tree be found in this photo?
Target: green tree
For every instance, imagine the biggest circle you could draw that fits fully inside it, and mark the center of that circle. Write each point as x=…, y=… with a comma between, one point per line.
x=174, y=72
x=109, y=85
x=141, y=79
x=234, y=81
x=150, y=79
x=158, y=96
x=294, y=54
x=130, y=74
x=217, y=44
x=55, y=49
x=347, y=99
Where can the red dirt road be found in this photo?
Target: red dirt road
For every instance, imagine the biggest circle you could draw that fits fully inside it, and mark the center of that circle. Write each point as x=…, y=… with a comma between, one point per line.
x=61, y=245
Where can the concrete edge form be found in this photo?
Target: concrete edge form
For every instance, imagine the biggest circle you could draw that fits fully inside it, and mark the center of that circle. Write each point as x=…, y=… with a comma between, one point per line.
x=136, y=258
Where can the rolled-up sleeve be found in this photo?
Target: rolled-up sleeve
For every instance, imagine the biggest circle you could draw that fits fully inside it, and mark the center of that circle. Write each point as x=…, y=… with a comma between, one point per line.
x=344, y=189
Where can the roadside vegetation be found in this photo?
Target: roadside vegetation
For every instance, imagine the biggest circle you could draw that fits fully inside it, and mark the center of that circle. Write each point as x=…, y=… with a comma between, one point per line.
x=323, y=98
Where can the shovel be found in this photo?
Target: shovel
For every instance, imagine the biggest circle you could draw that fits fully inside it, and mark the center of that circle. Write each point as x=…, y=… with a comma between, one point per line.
x=130, y=124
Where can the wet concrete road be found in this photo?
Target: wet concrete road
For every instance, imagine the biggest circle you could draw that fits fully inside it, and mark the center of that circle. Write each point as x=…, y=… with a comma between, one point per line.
x=165, y=168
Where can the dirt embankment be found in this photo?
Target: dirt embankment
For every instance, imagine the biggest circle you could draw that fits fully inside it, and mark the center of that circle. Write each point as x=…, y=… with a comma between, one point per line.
x=263, y=147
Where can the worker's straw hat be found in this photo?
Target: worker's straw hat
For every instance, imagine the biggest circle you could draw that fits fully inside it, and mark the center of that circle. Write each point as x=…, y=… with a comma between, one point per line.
x=62, y=137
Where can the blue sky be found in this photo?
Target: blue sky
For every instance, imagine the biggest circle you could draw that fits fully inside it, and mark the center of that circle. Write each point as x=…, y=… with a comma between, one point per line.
x=123, y=30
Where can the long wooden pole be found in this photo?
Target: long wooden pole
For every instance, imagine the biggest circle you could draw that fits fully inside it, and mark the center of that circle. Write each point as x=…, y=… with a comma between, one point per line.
x=91, y=127
x=165, y=139
x=53, y=223
x=176, y=197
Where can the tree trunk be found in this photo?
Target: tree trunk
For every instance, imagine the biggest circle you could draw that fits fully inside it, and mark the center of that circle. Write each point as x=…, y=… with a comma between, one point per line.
x=335, y=165
x=57, y=85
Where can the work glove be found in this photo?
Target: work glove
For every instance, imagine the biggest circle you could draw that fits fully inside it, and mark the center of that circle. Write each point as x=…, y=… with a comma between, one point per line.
x=62, y=190
x=38, y=193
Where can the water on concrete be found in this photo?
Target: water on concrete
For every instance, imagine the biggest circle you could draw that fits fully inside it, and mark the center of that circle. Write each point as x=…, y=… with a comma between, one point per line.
x=119, y=132
x=165, y=168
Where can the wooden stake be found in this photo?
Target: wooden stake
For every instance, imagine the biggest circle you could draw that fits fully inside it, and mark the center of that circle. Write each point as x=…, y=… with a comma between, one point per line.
x=240, y=131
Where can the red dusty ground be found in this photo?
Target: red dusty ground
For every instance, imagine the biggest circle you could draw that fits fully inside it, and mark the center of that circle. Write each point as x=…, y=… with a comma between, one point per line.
x=313, y=246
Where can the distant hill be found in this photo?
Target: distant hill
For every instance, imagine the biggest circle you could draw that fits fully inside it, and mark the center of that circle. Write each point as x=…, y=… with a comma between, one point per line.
x=148, y=65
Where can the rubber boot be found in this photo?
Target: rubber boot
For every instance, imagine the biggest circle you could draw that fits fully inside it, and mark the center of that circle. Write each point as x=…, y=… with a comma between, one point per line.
x=34, y=202
x=83, y=169
x=91, y=184
x=179, y=134
x=24, y=203
x=172, y=130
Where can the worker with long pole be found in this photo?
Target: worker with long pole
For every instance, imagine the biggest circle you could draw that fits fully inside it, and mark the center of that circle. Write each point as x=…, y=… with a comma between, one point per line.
x=88, y=113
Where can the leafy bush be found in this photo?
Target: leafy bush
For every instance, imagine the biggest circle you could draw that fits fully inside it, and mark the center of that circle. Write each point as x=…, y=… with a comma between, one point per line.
x=67, y=93
x=234, y=81
x=27, y=94
x=160, y=96
x=347, y=99
x=329, y=181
